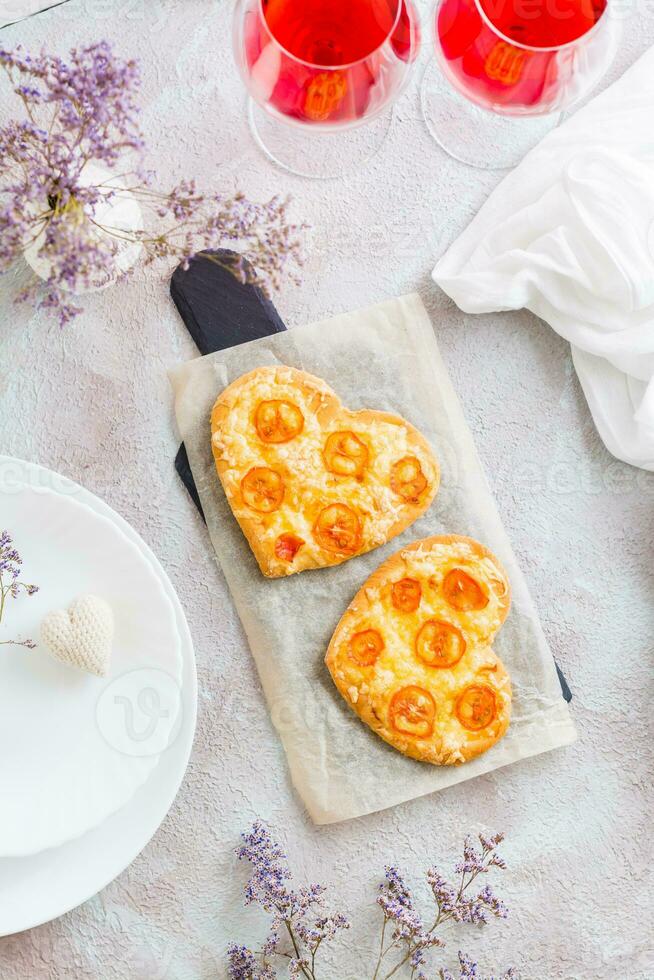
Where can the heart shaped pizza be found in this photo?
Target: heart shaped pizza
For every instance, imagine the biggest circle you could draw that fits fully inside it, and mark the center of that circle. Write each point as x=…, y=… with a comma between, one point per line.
x=412, y=653
x=310, y=482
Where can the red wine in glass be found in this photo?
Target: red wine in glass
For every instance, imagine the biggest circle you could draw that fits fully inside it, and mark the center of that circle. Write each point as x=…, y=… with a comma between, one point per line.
x=329, y=64
x=542, y=23
x=523, y=57
x=329, y=34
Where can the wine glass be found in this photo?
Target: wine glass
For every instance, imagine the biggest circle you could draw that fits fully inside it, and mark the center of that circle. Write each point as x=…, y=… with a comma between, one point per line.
x=497, y=60
x=317, y=70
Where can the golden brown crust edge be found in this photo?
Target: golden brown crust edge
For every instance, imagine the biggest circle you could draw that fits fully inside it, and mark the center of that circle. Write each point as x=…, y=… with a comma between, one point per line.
x=328, y=406
x=247, y=525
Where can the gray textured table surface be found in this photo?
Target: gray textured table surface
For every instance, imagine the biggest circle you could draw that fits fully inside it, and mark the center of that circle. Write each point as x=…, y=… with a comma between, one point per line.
x=93, y=401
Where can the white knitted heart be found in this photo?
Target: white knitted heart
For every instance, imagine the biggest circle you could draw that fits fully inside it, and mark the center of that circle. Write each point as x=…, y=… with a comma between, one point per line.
x=82, y=634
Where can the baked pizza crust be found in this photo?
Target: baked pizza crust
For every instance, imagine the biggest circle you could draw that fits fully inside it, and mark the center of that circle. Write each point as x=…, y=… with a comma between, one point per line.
x=369, y=688
x=308, y=486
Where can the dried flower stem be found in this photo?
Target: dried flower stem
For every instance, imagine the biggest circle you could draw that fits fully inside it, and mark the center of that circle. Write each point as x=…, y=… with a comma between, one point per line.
x=10, y=584
x=300, y=914
x=441, y=917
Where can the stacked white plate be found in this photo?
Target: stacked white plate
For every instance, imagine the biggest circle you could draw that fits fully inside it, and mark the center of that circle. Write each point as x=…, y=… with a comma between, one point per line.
x=89, y=766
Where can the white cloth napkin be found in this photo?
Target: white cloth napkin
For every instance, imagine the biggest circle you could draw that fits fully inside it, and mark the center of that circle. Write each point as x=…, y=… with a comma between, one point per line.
x=569, y=234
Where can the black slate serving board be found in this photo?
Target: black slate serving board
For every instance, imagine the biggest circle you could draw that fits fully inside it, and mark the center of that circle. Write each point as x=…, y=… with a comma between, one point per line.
x=220, y=312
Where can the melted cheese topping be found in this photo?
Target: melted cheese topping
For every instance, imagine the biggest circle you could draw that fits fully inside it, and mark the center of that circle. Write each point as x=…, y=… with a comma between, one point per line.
x=309, y=485
x=369, y=689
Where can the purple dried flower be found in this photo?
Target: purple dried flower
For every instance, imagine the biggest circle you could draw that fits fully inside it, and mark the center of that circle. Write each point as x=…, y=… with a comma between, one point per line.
x=453, y=902
x=467, y=967
x=82, y=111
x=321, y=929
x=271, y=944
x=444, y=893
x=398, y=907
x=468, y=970
x=298, y=968
x=241, y=965
x=10, y=585
x=490, y=843
x=298, y=913
x=487, y=897
x=473, y=860
x=298, y=918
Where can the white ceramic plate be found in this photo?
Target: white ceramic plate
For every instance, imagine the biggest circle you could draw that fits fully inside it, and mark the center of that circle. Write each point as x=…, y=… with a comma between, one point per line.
x=66, y=762
x=39, y=888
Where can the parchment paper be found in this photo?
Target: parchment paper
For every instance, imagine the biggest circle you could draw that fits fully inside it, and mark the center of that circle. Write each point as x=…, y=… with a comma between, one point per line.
x=385, y=358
